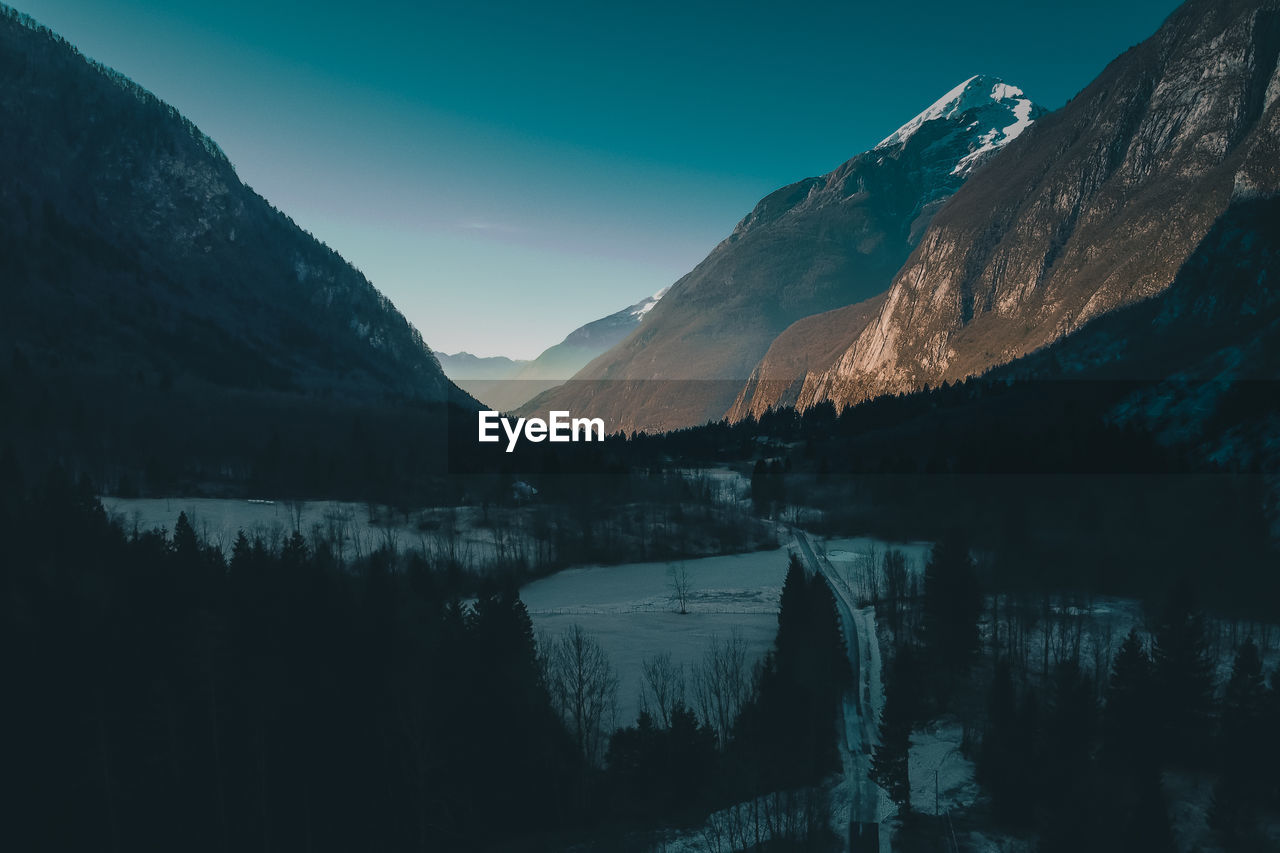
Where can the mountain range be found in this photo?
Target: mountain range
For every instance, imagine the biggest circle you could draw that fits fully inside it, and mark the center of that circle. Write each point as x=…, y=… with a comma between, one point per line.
x=156, y=307
x=505, y=384
x=815, y=245
x=1096, y=207
x=980, y=232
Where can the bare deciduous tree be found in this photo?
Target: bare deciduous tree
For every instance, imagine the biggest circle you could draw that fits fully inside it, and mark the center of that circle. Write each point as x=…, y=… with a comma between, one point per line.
x=894, y=568
x=680, y=583
x=867, y=588
x=722, y=683
x=662, y=687
x=584, y=688
x=295, y=509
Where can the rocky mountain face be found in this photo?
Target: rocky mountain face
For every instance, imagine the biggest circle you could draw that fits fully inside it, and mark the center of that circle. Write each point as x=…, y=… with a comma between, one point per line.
x=1203, y=357
x=133, y=254
x=503, y=384
x=806, y=346
x=1096, y=207
x=816, y=245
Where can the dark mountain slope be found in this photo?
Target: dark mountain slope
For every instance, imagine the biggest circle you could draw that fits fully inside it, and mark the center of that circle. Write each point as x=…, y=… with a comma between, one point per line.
x=157, y=312
x=1204, y=355
x=129, y=246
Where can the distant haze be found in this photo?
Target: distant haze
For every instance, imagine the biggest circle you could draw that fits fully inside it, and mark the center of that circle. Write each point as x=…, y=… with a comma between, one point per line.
x=506, y=172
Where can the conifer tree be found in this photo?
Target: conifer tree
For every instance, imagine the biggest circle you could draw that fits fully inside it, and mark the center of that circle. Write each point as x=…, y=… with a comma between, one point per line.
x=951, y=609
x=1271, y=746
x=185, y=543
x=1129, y=712
x=791, y=609
x=1183, y=676
x=889, y=764
x=1242, y=738
x=1144, y=826
x=1007, y=747
x=1067, y=773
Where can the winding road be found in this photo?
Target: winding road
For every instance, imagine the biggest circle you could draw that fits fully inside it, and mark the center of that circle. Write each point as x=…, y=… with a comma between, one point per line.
x=861, y=709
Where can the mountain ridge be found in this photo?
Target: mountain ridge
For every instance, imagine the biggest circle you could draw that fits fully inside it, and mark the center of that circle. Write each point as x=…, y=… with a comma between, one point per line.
x=506, y=386
x=165, y=325
x=1096, y=208
x=128, y=204
x=814, y=245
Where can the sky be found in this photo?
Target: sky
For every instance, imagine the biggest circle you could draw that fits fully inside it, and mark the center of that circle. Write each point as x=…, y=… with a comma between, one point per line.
x=506, y=172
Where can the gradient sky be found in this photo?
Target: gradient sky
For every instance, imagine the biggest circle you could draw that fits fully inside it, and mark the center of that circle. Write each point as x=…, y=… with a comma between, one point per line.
x=508, y=171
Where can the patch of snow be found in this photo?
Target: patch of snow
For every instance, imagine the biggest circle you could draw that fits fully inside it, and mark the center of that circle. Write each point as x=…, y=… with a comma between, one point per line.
x=647, y=306
x=997, y=138
x=945, y=107
x=1000, y=91
x=941, y=777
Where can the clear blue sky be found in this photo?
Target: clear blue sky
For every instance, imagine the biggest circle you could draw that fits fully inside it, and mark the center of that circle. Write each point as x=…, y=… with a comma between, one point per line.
x=507, y=171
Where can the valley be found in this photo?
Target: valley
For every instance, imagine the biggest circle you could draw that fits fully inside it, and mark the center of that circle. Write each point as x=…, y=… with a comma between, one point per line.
x=932, y=506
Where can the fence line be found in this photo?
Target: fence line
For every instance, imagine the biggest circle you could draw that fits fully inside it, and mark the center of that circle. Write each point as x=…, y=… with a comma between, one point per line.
x=622, y=611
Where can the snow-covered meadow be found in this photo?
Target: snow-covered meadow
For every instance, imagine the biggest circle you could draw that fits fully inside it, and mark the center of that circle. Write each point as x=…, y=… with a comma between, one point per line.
x=359, y=528
x=631, y=610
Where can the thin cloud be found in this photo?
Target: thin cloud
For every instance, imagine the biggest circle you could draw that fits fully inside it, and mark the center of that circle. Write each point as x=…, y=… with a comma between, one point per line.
x=494, y=227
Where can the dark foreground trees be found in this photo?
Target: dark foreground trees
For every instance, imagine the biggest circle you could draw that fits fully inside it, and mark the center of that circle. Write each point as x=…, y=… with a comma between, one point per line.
x=749, y=764
x=160, y=696
x=1086, y=747
x=1088, y=768
x=785, y=737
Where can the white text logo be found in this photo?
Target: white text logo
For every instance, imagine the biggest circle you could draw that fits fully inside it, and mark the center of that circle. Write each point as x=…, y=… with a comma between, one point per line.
x=560, y=427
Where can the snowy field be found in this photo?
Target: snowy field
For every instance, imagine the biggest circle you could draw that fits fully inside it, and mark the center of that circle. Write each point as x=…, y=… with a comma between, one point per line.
x=629, y=609
x=853, y=555
x=733, y=485
x=219, y=520
x=362, y=527
x=942, y=779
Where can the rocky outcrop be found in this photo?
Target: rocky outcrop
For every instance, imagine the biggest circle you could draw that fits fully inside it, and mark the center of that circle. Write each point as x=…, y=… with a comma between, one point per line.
x=807, y=347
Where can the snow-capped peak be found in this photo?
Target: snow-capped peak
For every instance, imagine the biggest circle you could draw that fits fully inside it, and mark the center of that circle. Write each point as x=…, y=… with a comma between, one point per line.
x=1004, y=112
x=646, y=306
x=998, y=137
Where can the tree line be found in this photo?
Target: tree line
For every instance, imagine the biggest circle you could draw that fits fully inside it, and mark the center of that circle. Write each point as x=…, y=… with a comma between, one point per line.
x=1080, y=750
x=164, y=695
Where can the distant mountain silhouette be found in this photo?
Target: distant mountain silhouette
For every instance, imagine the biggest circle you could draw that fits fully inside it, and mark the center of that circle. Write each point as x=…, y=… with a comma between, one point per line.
x=504, y=384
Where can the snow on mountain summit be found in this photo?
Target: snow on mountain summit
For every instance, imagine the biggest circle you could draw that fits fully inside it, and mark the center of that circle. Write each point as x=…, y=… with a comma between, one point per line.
x=1000, y=113
x=642, y=308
